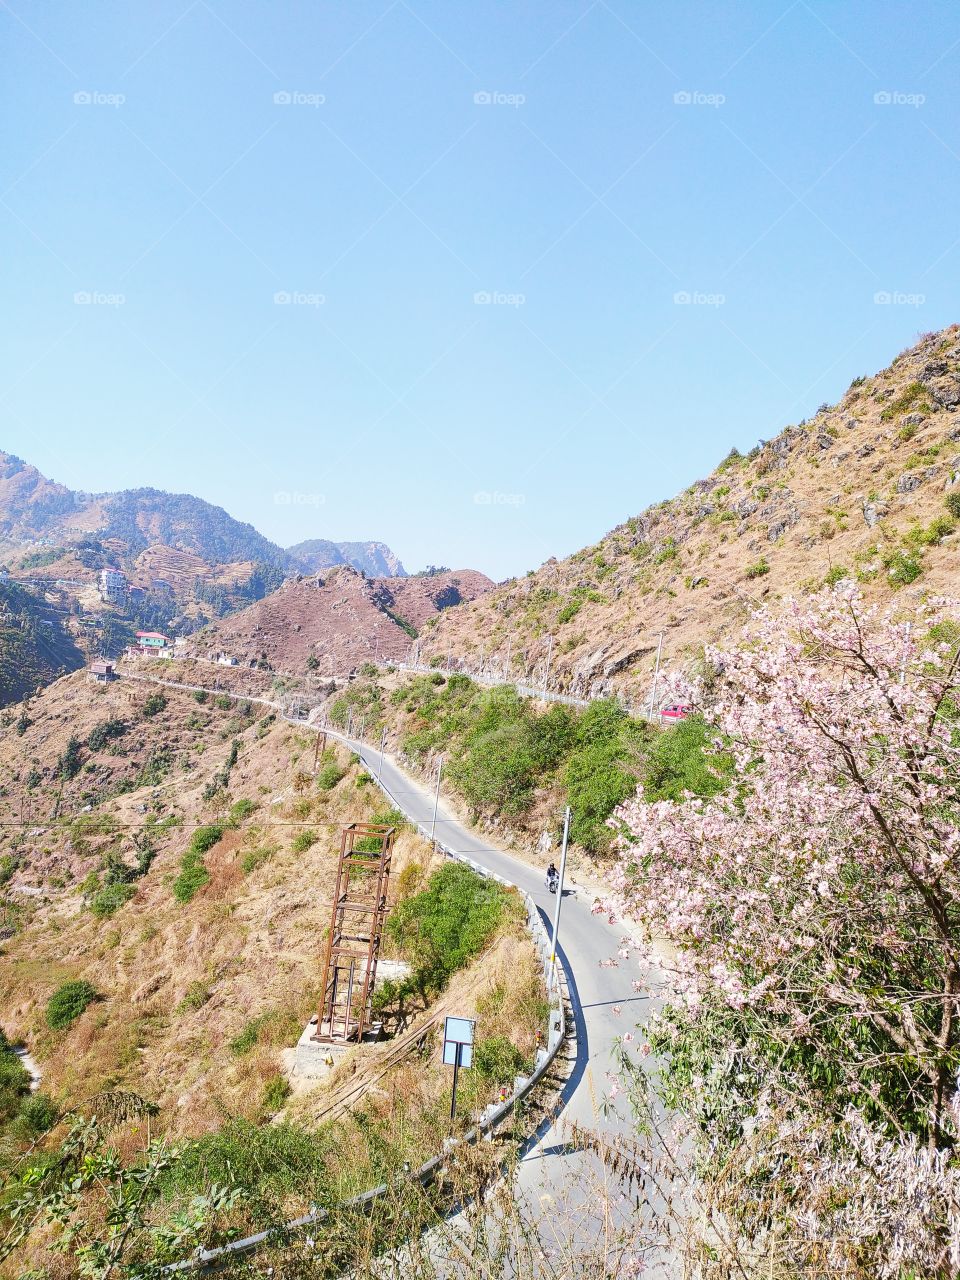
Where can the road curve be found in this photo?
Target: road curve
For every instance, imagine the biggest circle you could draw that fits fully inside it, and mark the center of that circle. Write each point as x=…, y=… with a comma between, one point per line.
x=605, y=1004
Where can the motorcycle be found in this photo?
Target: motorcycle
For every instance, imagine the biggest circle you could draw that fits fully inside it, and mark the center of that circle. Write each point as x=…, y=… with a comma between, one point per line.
x=553, y=883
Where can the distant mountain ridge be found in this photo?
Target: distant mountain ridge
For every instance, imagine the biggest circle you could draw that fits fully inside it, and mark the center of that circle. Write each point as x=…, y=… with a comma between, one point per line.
x=375, y=559
x=34, y=509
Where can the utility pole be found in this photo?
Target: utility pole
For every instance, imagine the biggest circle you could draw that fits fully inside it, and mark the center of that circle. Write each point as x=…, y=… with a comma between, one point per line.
x=556, y=910
x=350, y=722
x=656, y=675
x=383, y=743
x=436, y=800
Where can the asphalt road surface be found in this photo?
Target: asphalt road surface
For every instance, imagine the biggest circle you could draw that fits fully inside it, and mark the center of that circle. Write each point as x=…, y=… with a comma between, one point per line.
x=567, y=1193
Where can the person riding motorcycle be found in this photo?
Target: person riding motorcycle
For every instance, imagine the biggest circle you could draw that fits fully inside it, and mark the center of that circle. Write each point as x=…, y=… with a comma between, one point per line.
x=553, y=878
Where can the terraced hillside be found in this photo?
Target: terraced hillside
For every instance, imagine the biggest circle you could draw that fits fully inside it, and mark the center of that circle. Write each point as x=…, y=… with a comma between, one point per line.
x=868, y=488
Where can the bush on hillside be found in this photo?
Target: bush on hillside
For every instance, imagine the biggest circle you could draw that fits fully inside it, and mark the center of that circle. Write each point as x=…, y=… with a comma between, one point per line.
x=67, y=1004
x=682, y=762
x=447, y=924
x=193, y=871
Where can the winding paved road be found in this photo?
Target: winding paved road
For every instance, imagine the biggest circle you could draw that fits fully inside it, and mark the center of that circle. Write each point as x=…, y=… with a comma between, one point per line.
x=561, y=1183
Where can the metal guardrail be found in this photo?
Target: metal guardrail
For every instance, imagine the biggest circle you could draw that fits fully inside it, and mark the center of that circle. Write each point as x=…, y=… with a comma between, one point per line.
x=214, y=1259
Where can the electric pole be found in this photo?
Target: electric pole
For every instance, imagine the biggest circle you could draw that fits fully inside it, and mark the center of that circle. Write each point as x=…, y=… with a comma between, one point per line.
x=556, y=910
x=436, y=799
x=656, y=675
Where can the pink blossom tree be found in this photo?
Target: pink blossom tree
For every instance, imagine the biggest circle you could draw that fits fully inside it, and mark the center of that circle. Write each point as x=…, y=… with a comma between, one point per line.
x=812, y=908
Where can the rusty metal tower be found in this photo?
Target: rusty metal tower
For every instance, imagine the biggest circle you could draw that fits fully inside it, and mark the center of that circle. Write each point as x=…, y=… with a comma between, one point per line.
x=356, y=928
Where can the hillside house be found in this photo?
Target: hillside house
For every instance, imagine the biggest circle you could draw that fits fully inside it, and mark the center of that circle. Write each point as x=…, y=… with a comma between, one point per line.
x=153, y=643
x=113, y=586
x=102, y=672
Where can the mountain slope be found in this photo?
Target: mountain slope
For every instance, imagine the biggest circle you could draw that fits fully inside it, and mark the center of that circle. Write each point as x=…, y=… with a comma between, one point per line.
x=332, y=624
x=34, y=646
x=859, y=490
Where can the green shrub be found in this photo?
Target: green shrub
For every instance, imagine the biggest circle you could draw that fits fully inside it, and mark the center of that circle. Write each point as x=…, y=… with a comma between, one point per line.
x=193, y=876
x=275, y=1093
x=758, y=568
x=498, y=1060
x=329, y=776
x=110, y=898
x=447, y=924
x=14, y=1080
x=913, y=396
x=70, y=762
x=269, y=1162
x=908, y=432
x=952, y=503
x=105, y=731
x=836, y=573
x=569, y=611
x=241, y=810
x=204, y=838
x=67, y=1003
x=7, y=867
x=156, y=703
x=304, y=840
x=222, y=702
x=933, y=533
x=596, y=782
x=903, y=567
x=254, y=858
x=37, y=1115
x=193, y=872
x=195, y=997
x=249, y=1036
x=681, y=760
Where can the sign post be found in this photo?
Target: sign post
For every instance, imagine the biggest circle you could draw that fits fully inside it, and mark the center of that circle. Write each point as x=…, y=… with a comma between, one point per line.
x=457, y=1052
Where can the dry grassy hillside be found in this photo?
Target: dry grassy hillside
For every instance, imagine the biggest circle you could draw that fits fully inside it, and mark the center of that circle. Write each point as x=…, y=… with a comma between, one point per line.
x=861, y=489
x=197, y=997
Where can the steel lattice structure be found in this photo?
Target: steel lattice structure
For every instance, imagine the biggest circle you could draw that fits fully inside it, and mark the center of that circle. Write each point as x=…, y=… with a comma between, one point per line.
x=356, y=929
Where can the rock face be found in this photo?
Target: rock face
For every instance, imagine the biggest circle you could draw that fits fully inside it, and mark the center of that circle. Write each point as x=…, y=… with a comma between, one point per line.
x=836, y=494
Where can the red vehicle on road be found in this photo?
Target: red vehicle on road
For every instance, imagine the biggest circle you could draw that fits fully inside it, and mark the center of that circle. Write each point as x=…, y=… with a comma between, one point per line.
x=679, y=711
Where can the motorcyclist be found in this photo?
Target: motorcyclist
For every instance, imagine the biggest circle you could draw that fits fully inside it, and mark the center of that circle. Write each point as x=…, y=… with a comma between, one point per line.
x=553, y=877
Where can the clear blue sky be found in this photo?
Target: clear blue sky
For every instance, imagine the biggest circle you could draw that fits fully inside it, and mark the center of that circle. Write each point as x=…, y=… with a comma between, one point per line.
x=581, y=187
